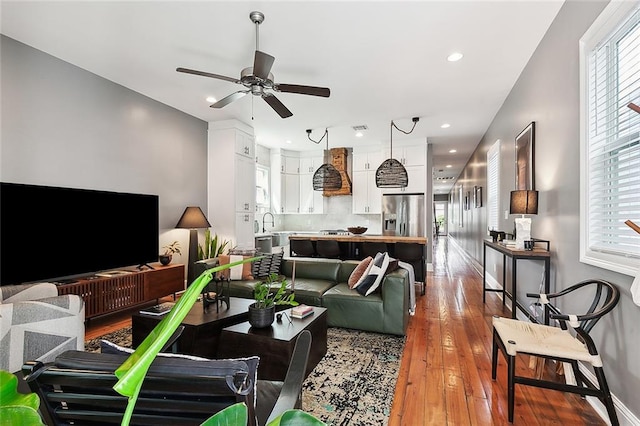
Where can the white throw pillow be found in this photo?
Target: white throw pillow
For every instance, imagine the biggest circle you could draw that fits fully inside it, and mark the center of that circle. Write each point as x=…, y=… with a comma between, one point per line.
x=372, y=279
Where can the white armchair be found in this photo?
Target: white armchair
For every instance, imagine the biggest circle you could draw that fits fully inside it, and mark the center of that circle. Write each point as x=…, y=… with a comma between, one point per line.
x=37, y=325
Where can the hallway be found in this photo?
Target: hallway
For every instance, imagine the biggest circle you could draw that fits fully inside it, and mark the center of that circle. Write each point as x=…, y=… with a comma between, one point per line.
x=445, y=374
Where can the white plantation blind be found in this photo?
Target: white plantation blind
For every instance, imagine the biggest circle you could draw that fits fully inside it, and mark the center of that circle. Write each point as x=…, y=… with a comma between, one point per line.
x=612, y=149
x=493, y=186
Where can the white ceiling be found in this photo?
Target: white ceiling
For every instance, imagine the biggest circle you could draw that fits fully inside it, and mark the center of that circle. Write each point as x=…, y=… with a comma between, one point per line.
x=382, y=61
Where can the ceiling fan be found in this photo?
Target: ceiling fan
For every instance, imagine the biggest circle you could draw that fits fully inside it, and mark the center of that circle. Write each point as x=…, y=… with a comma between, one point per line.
x=258, y=79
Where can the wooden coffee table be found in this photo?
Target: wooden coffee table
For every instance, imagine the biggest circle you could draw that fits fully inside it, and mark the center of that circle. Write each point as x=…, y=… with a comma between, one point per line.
x=202, y=328
x=274, y=345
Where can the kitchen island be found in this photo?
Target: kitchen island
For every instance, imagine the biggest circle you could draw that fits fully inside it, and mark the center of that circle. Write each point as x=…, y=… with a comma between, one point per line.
x=389, y=239
x=357, y=247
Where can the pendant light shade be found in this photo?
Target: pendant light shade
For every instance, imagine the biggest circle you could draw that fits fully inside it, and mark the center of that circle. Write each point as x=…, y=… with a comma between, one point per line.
x=391, y=173
x=327, y=177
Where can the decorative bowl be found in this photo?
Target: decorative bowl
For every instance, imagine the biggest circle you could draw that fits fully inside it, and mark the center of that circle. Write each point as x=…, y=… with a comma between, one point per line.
x=357, y=229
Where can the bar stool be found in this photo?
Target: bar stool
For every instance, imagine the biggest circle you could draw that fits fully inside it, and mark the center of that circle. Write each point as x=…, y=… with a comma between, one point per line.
x=328, y=248
x=302, y=248
x=371, y=249
x=413, y=253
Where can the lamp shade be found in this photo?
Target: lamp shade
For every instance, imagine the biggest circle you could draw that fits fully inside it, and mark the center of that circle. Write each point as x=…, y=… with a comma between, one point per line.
x=193, y=218
x=327, y=177
x=391, y=174
x=524, y=202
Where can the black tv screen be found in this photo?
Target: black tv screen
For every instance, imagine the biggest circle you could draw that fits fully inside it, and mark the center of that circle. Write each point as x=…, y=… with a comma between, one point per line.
x=50, y=233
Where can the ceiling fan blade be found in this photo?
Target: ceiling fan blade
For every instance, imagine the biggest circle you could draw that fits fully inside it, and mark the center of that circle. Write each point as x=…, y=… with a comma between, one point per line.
x=277, y=105
x=262, y=64
x=208, y=74
x=303, y=90
x=227, y=100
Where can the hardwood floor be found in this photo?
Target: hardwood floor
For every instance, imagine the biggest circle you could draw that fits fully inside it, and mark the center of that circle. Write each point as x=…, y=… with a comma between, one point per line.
x=445, y=373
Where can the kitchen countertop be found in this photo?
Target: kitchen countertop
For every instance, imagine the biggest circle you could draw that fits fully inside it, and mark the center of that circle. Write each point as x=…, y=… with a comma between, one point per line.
x=360, y=238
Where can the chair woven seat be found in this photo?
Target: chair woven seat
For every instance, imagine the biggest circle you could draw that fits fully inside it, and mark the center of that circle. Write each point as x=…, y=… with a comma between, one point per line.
x=543, y=340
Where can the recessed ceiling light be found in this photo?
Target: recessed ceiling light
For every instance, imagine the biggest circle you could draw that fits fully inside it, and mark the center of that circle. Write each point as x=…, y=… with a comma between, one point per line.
x=455, y=56
x=288, y=141
x=359, y=134
x=453, y=150
x=446, y=125
x=449, y=166
x=211, y=99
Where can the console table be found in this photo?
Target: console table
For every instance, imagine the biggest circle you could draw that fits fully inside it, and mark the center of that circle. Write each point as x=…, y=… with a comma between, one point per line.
x=538, y=253
x=105, y=295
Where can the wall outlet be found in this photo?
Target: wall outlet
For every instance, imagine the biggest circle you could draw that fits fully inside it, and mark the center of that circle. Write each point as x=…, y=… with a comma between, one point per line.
x=506, y=214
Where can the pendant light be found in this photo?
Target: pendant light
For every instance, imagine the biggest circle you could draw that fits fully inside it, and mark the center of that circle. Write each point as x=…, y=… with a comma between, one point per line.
x=391, y=173
x=327, y=177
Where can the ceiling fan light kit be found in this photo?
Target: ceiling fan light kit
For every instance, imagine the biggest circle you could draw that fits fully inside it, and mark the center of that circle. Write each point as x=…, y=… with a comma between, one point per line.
x=391, y=173
x=327, y=177
x=258, y=79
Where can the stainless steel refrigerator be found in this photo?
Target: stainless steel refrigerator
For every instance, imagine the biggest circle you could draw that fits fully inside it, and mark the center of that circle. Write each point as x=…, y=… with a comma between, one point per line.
x=403, y=214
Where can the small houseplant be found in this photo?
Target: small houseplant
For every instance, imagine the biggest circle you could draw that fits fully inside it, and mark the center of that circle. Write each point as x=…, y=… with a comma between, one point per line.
x=213, y=247
x=169, y=251
x=268, y=294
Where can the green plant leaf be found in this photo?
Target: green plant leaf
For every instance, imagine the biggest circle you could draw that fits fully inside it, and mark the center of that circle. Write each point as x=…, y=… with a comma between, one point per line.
x=233, y=415
x=17, y=408
x=296, y=418
x=133, y=370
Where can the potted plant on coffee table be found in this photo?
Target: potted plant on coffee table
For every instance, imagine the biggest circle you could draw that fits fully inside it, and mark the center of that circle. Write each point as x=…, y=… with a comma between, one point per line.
x=268, y=294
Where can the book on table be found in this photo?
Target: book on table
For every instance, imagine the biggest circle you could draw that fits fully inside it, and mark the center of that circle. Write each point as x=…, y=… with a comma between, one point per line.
x=160, y=309
x=301, y=311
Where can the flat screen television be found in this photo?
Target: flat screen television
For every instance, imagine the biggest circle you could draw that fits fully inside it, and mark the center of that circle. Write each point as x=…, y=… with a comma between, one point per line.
x=52, y=233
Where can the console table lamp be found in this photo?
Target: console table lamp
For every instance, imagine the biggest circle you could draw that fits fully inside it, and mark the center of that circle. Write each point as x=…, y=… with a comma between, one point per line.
x=192, y=219
x=523, y=202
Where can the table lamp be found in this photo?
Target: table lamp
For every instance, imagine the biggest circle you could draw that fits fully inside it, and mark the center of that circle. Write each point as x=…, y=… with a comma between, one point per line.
x=192, y=219
x=523, y=202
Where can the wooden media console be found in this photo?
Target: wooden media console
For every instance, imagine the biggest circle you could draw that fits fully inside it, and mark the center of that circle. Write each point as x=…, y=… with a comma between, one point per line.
x=108, y=294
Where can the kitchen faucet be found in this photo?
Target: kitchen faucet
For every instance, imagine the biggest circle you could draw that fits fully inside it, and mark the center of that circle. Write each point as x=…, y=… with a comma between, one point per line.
x=273, y=221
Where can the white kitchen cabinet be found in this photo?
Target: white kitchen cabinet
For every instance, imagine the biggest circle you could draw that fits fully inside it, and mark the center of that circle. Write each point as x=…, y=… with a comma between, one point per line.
x=366, y=160
x=291, y=193
x=245, y=234
x=290, y=165
x=245, y=145
x=246, y=178
x=367, y=197
x=311, y=202
x=231, y=181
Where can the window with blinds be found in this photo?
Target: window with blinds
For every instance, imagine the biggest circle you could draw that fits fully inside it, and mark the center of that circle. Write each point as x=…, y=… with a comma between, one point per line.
x=493, y=186
x=611, y=140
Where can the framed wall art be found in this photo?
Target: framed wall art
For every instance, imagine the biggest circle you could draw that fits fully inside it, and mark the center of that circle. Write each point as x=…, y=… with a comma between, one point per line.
x=525, y=158
x=477, y=196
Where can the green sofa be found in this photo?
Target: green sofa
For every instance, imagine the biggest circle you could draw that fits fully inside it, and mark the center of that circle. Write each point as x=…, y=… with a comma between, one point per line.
x=323, y=282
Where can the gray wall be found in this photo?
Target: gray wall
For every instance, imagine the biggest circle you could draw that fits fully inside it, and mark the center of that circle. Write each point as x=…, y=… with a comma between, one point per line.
x=64, y=126
x=547, y=92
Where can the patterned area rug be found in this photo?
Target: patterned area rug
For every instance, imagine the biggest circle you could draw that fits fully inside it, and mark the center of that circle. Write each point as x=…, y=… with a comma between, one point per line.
x=352, y=385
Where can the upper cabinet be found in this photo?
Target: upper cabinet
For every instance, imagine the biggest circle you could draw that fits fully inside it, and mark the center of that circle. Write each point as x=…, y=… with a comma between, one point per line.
x=290, y=164
x=366, y=160
x=245, y=145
